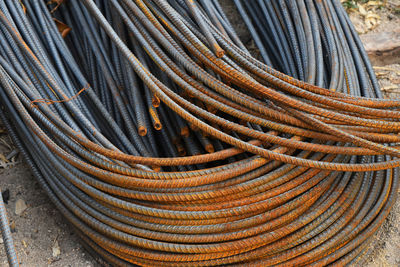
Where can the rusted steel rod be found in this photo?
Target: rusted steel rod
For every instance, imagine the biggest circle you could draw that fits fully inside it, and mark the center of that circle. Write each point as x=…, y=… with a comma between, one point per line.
x=164, y=141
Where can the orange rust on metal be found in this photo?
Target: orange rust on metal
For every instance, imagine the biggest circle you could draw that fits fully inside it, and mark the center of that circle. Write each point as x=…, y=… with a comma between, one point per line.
x=23, y=6
x=210, y=148
x=219, y=51
x=184, y=131
x=142, y=130
x=155, y=119
x=193, y=127
x=50, y=101
x=155, y=101
x=57, y=2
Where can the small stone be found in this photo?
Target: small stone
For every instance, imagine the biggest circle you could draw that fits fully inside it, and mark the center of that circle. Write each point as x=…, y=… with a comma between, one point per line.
x=34, y=235
x=12, y=227
x=56, y=250
x=1, y=240
x=6, y=195
x=383, y=48
x=20, y=206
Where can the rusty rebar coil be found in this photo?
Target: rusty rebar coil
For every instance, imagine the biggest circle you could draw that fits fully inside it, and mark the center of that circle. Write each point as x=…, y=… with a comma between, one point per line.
x=165, y=141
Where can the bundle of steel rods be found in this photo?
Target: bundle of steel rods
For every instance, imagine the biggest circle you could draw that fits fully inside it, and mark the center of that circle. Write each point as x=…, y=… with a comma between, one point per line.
x=163, y=140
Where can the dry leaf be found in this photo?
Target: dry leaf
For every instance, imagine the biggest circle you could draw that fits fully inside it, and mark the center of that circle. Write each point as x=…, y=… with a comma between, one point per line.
x=374, y=3
x=384, y=68
x=362, y=10
x=62, y=27
x=3, y=158
x=56, y=250
x=381, y=74
x=390, y=88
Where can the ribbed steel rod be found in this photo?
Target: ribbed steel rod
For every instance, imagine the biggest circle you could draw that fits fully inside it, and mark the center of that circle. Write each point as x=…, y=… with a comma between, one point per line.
x=163, y=140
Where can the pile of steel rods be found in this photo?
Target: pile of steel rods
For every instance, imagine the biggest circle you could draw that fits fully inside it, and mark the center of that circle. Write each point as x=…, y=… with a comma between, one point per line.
x=164, y=141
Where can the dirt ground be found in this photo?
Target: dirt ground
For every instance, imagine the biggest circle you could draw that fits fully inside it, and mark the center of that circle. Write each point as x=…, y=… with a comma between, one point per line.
x=43, y=238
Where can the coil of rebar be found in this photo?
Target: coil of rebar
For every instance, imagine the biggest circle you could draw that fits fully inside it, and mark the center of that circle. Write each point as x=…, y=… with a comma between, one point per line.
x=163, y=140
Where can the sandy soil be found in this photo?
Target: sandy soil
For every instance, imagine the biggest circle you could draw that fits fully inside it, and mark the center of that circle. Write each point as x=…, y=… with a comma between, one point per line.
x=43, y=238
x=40, y=227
